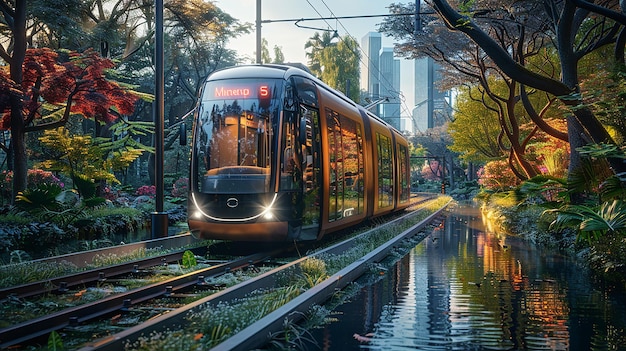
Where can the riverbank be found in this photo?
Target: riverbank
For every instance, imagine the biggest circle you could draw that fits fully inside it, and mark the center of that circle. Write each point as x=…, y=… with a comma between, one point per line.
x=464, y=287
x=605, y=257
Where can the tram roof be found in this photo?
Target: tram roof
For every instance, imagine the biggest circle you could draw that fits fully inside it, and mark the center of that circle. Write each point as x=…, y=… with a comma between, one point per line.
x=282, y=71
x=265, y=70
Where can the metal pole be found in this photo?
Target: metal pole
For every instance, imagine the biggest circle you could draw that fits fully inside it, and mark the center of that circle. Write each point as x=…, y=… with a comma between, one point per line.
x=159, y=218
x=418, y=21
x=258, y=31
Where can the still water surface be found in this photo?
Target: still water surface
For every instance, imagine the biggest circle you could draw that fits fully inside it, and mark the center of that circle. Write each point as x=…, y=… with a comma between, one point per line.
x=464, y=288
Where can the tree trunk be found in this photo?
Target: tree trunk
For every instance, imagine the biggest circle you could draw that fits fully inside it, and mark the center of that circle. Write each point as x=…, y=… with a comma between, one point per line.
x=565, y=90
x=18, y=145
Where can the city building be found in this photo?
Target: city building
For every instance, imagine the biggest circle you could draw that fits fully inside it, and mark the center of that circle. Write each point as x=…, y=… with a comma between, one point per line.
x=370, y=81
x=380, y=78
x=432, y=107
x=390, y=87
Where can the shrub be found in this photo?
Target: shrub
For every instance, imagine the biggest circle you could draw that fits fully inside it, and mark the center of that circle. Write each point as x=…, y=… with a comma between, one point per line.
x=35, y=178
x=146, y=190
x=39, y=198
x=180, y=187
x=497, y=175
x=36, y=238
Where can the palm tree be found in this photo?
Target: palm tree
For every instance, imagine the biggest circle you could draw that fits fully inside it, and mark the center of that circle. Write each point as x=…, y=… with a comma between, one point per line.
x=317, y=44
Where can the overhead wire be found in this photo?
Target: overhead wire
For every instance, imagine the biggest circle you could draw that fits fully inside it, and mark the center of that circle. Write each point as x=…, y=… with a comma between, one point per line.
x=369, y=60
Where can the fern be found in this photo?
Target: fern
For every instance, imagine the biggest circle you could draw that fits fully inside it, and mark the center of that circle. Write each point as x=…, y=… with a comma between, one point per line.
x=54, y=342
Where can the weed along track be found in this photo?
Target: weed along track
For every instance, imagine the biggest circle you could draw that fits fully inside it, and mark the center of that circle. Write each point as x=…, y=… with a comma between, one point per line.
x=137, y=292
x=247, y=315
x=180, y=299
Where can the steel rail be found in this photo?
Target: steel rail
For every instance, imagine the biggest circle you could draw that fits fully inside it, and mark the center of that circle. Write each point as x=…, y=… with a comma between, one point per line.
x=59, y=284
x=35, y=328
x=82, y=259
x=257, y=334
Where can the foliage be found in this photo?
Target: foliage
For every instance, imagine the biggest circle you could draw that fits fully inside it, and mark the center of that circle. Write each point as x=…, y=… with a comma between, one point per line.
x=553, y=157
x=265, y=53
x=56, y=85
x=189, y=260
x=41, y=198
x=335, y=63
x=497, y=175
x=514, y=212
x=475, y=129
x=146, y=190
x=34, y=237
x=85, y=160
x=544, y=190
x=607, y=257
x=594, y=178
x=292, y=337
x=313, y=271
x=47, y=229
x=605, y=93
x=592, y=223
x=75, y=155
x=35, y=177
x=180, y=187
x=54, y=342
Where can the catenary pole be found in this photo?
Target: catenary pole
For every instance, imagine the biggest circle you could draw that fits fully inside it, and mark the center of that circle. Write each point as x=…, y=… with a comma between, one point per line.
x=159, y=218
x=258, y=31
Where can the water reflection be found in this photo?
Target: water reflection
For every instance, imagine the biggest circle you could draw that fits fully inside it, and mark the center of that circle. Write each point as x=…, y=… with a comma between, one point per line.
x=464, y=289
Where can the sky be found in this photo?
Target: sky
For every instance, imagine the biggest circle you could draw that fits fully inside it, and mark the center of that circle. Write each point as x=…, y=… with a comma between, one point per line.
x=291, y=39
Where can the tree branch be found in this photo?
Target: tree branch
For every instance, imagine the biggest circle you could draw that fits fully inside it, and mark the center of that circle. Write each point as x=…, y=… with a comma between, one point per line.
x=501, y=57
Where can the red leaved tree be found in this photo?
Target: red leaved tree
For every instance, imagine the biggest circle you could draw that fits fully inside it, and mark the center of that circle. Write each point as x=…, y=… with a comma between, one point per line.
x=54, y=86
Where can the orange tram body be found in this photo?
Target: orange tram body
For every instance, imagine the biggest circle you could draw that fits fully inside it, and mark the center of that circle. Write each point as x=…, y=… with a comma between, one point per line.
x=278, y=155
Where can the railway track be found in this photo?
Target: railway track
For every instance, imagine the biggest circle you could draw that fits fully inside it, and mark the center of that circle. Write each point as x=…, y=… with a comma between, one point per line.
x=258, y=333
x=114, y=305
x=38, y=327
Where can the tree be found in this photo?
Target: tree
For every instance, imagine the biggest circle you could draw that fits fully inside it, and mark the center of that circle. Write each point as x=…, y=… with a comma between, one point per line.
x=335, y=63
x=505, y=35
x=579, y=28
x=196, y=34
x=279, y=57
x=53, y=88
x=475, y=129
x=314, y=48
x=14, y=24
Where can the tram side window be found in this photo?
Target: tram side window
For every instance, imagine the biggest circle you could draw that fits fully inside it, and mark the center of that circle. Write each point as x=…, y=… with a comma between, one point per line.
x=335, y=154
x=346, y=195
x=291, y=165
x=385, y=173
x=353, y=201
x=404, y=173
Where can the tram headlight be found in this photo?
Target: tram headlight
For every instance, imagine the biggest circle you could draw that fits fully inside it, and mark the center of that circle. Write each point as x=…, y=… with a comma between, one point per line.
x=268, y=214
x=197, y=215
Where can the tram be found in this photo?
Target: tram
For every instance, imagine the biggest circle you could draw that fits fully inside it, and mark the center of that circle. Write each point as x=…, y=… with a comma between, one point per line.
x=278, y=155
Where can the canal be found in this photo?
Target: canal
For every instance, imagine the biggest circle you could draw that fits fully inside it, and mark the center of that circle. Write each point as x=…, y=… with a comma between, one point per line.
x=464, y=288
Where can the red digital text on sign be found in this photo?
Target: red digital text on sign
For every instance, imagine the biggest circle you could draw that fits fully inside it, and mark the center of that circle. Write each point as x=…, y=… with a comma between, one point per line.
x=240, y=92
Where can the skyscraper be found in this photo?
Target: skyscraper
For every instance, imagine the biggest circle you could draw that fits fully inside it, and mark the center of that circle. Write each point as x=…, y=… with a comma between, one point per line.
x=370, y=82
x=390, y=87
x=432, y=107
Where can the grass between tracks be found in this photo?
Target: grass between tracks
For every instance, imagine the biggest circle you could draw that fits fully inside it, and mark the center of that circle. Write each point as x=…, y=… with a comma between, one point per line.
x=32, y=271
x=212, y=324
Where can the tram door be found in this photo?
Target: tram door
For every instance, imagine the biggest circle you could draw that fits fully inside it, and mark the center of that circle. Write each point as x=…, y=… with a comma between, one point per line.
x=311, y=172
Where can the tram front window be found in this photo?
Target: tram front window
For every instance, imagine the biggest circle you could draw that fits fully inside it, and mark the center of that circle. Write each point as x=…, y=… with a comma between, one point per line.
x=234, y=136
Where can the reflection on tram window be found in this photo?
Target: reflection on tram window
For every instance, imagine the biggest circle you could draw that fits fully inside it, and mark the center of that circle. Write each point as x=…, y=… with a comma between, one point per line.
x=385, y=173
x=234, y=140
x=345, y=140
